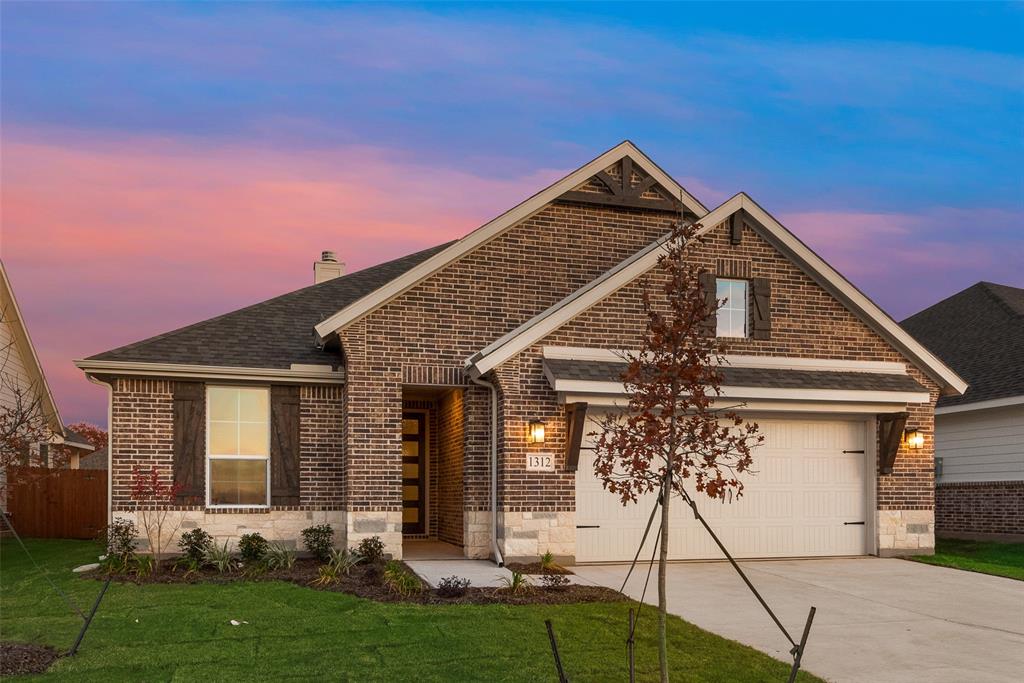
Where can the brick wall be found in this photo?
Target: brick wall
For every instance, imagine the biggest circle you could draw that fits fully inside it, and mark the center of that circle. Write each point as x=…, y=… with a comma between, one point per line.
x=450, y=448
x=983, y=507
x=143, y=429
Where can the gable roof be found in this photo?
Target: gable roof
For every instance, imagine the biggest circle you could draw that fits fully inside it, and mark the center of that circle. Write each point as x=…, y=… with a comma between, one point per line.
x=271, y=334
x=772, y=231
x=980, y=333
x=10, y=313
x=355, y=310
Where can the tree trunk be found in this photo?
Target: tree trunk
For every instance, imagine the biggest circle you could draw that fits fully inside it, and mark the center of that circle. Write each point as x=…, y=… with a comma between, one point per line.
x=666, y=496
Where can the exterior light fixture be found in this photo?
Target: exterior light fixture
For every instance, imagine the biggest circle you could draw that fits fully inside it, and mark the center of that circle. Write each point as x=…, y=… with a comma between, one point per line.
x=536, y=433
x=913, y=438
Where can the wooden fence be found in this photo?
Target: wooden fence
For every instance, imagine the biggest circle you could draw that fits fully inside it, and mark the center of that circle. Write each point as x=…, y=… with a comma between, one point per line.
x=45, y=503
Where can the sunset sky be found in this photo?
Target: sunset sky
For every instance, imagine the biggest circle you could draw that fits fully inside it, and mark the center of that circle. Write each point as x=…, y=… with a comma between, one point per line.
x=163, y=163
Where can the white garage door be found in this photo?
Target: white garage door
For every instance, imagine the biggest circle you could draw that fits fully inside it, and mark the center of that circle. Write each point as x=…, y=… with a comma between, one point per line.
x=807, y=497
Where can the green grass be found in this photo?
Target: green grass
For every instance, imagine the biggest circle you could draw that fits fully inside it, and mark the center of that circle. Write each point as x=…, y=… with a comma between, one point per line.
x=987, y=557
x=182, y=633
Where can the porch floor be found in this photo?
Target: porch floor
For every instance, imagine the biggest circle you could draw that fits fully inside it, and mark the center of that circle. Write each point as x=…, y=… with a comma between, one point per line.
x=430, y=549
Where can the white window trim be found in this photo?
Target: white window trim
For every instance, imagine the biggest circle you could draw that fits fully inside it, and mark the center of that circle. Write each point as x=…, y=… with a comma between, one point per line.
x=746, y=308
x=208, y=457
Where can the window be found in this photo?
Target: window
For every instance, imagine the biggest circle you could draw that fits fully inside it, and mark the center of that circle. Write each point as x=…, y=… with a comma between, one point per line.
x=732, y=316
x=238, y=446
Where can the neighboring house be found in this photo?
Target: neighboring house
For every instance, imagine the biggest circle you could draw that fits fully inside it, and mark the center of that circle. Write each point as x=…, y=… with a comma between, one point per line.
x=25, y=397
x=449, y=394
x=97, y=460
x=979, y=436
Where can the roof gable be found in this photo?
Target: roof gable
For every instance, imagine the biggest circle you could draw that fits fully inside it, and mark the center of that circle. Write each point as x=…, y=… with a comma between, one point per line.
x=979, y=332
x=775, y=234
x=643, y=173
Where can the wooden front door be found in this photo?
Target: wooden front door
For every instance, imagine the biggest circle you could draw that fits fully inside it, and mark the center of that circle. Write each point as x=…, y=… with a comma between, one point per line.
x=414, y=460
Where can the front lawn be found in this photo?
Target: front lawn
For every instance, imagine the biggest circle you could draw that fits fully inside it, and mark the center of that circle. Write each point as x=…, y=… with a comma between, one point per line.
x=159, y=632
x=987, y=557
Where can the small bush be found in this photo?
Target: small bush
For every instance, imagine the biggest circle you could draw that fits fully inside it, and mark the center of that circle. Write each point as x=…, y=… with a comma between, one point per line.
x=195, y=544
x=220, y=557
x=191, y=565
x=400, y=580
x=517, y=583
x=343, y=560
x=371, y=549
x=555, y=582
x=279, y=557
x=252, y=547
x=452, y=587
x=143, y=565
x=119, y=537
x=319, y=540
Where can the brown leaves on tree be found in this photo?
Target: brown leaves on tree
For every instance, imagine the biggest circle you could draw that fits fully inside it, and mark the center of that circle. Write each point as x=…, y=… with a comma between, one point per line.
x=673, y=424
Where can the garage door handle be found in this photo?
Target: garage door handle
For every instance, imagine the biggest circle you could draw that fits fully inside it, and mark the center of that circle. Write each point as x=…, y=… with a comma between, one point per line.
x=853, y=523
x=588, y=526
x=861, y=451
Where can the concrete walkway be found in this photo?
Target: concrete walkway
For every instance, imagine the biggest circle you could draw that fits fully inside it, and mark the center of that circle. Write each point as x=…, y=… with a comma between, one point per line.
x=481, y=573
x=878, y=619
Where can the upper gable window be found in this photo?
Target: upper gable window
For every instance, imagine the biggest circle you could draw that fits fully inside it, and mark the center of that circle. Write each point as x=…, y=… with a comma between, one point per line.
x=733, y=315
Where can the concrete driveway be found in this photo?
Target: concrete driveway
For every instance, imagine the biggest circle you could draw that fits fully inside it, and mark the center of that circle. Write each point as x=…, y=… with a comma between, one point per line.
x=877, y=620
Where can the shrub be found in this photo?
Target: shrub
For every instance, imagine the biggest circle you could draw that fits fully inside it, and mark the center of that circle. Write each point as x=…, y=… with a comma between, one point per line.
x=195, y=544
x=517, y=583
x=343, y=560
x=452, y=587
x=371, y=549
x=400, y=580
x=252, y=547
x=279, y=557
x=120, y=536
x=547, y=563
x=319, y=540
x=555, y=582
x=144, y=565
x=220, y=558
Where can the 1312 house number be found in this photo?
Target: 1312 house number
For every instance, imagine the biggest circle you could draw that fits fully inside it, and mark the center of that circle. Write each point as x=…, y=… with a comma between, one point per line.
x=540, y=462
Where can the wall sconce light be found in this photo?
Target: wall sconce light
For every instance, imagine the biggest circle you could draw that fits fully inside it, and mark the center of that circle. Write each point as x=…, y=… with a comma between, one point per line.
x=913, y=438
x=536, y=433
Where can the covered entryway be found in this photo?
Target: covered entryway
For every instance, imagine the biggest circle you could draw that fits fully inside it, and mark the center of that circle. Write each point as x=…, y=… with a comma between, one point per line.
x=809, y=497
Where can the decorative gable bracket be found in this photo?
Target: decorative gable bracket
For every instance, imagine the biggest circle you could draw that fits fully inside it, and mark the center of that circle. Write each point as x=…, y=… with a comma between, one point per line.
x=890, y=435
x=629, y=187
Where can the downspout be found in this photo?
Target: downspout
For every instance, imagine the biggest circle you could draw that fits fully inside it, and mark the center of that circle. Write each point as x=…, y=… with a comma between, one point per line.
x=110, y=444
x=494, y=469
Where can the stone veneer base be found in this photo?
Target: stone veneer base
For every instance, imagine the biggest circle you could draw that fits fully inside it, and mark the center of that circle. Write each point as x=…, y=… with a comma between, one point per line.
x=906, y=532
x=525, y=536
x=386, y=525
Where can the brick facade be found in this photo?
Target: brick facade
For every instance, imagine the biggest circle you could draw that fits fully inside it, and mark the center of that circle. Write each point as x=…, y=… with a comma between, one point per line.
x=448, y=503
x=980, y=507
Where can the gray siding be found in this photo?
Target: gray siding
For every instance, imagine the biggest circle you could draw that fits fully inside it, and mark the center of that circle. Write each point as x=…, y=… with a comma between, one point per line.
x=982, y=445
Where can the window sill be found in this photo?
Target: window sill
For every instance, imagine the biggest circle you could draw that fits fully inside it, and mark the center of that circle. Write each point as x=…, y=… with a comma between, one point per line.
x=236, y=509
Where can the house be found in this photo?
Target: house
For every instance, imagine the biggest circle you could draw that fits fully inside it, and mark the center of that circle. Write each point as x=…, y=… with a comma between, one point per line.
x=979, y=436
x=28, y=412
x=450, y=394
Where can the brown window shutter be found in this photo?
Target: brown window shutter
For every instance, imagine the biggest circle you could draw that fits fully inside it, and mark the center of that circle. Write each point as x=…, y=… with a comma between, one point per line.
x=709, y=285
x=284, y=445
x=190, y=439
x=762, y=307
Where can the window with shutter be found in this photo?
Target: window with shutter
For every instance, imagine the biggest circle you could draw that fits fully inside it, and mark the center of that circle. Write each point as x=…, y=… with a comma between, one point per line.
x=238, y=446
x=189, y=440
x=284, y=445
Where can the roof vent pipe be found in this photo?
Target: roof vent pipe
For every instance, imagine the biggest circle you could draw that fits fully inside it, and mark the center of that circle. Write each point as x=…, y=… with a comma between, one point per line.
x=327, y=268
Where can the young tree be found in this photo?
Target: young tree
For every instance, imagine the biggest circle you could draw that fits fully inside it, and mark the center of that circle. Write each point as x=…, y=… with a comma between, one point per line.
x=154, y=501
x=672, y=428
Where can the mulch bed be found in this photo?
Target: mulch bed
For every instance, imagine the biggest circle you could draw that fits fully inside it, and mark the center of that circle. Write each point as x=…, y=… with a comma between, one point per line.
x=367, y=581
x=17, y=659
x=536, y=568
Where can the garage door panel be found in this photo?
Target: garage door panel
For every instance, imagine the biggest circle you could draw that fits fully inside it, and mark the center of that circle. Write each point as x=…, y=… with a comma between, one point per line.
x=802, y=490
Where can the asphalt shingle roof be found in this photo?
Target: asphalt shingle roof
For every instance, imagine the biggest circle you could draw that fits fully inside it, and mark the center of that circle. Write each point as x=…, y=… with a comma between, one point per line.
x=271, y=334
x=603, y=371
x=978, y=332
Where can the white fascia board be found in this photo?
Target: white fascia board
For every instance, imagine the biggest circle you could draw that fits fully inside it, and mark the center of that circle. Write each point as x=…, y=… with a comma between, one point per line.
x=930, y=363
x=982, y=405
x=755, y=406
x=535, y=329
x=728, y=392
x=214, y=372
x=492, y=229
x=28, y=348
x=581, y=353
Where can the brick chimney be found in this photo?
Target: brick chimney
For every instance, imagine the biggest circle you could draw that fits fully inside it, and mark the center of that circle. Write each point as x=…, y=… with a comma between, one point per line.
x=327, y=268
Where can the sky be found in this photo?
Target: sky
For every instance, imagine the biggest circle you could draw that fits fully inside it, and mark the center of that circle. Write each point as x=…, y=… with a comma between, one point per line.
x=161, y=163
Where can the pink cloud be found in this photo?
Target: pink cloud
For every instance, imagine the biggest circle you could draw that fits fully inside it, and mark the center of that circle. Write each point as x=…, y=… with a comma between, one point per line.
x=111, y=241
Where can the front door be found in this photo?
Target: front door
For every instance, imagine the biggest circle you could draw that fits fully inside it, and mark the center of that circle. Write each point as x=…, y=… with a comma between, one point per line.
x=414, y=458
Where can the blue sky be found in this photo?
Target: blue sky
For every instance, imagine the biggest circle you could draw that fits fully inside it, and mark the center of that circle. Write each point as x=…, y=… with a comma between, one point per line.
x=887, y=136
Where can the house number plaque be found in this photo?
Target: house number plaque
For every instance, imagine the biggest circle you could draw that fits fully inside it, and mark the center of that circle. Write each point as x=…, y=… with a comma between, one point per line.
x=540, y=462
